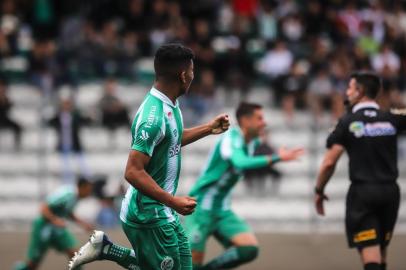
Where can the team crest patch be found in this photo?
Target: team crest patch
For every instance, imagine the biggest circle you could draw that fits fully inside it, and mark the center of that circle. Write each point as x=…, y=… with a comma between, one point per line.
x=357, y=128
x=167, y=263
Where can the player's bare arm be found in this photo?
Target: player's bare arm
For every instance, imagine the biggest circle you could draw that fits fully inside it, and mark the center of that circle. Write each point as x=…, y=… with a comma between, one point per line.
x=326, y=171
x=242, y=161
x=51, y=217
x=218, y=125
x=136, y=176
x=289, y=154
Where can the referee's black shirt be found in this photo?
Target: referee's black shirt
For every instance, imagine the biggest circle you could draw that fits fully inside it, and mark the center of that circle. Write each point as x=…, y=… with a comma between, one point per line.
x=370, y=139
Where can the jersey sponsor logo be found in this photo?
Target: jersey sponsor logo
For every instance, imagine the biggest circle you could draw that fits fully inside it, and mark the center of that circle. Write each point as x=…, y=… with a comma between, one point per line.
x=365, y=236
x=377, y=129
x=370, y=113
x=151, y=117
x=167, y=263
x=174, y=150
x=144, y=135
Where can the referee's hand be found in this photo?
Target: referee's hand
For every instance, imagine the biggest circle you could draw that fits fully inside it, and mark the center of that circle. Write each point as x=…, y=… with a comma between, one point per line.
x=319, y=203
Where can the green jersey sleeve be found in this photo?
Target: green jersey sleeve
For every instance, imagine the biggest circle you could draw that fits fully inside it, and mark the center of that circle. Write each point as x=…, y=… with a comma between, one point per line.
x=233, y=149
x=146, y=137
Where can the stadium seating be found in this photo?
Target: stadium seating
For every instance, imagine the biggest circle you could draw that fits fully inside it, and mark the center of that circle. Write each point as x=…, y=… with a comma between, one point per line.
x=26, y=176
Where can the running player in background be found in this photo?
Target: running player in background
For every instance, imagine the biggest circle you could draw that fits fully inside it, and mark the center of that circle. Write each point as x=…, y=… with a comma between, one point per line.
x=49, y=229
x=232, y=155
x=369, y=136
x=149, y=210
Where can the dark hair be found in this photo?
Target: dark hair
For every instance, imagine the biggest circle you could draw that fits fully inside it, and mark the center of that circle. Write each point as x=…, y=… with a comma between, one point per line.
x=81, y=181
x=246, y=109
x=170, y=59
x=370, y=82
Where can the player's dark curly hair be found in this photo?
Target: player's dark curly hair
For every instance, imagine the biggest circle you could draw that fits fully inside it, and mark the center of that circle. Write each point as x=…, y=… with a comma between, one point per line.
x=369, y=81
x=246, y=109
x=171, y=59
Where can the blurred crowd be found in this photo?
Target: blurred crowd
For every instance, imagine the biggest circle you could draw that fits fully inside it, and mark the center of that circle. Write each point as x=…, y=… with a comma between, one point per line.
x=302, y=50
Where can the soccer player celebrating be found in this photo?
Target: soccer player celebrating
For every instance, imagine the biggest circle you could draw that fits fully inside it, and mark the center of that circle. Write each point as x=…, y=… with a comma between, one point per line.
x=149, y=209
x=232, y=154
x=49, y=229
x=369, y=136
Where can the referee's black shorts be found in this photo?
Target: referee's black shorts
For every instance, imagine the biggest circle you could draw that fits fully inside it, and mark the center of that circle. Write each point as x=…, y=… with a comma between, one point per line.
x=371, y=214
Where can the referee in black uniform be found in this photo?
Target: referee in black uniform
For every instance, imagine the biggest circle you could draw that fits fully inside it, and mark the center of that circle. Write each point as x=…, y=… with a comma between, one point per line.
x=369, y=136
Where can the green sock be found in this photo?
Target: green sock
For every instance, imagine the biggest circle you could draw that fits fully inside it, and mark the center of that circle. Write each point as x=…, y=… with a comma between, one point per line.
x=121, y=255
x=233, y=257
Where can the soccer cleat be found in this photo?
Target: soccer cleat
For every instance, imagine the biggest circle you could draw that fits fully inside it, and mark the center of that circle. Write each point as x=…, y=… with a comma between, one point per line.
x=91, y=251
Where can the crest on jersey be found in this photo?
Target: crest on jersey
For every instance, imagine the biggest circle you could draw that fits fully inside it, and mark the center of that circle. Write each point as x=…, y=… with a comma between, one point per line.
x=357, y=128
x=167, y=263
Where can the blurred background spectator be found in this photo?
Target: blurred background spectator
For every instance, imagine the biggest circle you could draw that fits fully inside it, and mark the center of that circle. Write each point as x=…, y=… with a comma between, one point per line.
x=5, y=121
x=110, y=202
x=244, y=43
x=67, y=123
x=201, y=97
x=320, y=93
x=294, y=89
x=114, y=113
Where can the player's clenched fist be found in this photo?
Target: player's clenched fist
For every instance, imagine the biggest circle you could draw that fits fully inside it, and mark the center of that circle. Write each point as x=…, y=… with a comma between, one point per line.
x=184, y=205
x=220, y=124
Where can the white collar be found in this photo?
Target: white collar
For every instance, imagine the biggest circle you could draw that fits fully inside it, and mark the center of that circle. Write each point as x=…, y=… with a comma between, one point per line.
x=158, y=94
x=364, y=105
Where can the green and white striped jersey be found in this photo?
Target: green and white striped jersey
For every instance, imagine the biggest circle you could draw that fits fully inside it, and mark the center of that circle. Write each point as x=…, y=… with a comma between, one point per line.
x=229, y=158
x=63, y=201
x=157, y=132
